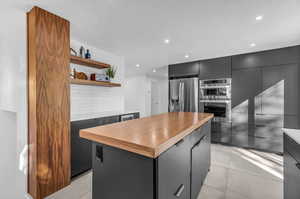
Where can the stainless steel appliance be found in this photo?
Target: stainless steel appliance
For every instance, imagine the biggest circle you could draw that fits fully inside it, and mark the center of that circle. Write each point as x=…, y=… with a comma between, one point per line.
x=215, y=97
x=183, y=95
x=127, y=117
x=217, y=89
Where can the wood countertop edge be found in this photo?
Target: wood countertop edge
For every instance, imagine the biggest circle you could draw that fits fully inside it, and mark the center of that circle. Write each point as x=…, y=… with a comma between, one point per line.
x=120, y=144
x=140, y=149
x=172, y=141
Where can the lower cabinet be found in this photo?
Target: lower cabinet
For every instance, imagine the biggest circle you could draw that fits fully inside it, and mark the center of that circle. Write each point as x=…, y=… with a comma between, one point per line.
x=178, y=173
x=291, y=177
x=291, y=169
x=173, y=172
x=183, y=168
x=81, y=160
x=200, y=165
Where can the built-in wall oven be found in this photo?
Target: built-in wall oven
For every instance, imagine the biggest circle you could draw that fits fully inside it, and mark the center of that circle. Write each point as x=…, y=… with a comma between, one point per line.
x=215, y=97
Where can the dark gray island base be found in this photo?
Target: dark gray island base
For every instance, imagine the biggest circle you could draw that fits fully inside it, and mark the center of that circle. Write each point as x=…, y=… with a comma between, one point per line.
x=178, y=172
x=165, y=156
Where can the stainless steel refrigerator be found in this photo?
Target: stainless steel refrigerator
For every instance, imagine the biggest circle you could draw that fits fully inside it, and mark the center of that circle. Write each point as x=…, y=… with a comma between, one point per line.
x=183, y=95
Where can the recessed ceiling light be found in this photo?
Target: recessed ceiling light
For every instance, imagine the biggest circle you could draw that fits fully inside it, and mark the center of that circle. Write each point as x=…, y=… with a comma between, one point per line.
x=154, y=70
x=253, y=45
x=167, y=41
x=187, y=56
x=137, y=65
x=259, y=17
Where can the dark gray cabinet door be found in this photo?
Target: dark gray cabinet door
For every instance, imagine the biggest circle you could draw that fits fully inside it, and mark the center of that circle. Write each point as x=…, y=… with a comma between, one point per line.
x=174, y=172
x=280, y=89
x=197, y=169
x=184, y=69
x=221, y=132
x=266, y=58
x=215, y=68
x=121, y=174
x=291, y=177
x=200, y=165
x=81, y=149
x=246, y=89
x=107, y=120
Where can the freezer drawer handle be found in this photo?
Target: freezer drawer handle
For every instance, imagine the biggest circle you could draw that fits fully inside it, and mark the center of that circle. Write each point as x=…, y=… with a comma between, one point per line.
x=179, y=191
x=298, y=165
x=99, y=153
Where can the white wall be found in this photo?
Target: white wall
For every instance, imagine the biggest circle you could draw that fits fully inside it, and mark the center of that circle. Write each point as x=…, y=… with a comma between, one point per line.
x=144, y=91
x=12, y=54
x=13, y=136
x=95, y=101
x=11, y=178
x=138, y=95
x=159, y=95
x=159, y=90
x=86, y=101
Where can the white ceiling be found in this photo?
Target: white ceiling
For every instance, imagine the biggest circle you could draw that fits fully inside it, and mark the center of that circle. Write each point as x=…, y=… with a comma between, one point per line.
x=136, y=29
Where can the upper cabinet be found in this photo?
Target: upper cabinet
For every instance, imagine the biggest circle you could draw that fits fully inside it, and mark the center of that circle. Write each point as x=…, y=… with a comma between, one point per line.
x=246, y=87
x=215, y=68
x=280, y=89
x=184, y=70
x=266, y=58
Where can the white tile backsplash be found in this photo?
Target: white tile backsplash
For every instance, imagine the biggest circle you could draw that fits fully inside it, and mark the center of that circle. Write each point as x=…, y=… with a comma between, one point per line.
x=96, y=101
x=91, y=101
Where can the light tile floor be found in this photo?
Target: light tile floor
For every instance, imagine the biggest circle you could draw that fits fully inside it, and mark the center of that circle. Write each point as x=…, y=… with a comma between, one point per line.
x=235, y=173
x=238, y=173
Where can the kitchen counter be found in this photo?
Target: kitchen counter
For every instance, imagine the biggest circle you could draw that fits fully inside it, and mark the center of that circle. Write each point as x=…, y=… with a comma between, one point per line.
x=148, y=136
x=165, y=156
x=293, y=133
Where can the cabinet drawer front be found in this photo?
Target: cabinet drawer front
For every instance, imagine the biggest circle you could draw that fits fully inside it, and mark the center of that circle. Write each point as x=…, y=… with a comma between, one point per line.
x=200, y=165
x=173, y=172
x=292, y=147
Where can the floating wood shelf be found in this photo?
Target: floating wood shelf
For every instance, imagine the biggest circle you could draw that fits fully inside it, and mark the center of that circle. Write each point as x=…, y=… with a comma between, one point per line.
x=88, y=62
x=94, y=83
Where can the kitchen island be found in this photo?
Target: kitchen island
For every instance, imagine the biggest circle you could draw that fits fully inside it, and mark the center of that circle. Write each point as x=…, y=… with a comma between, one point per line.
x=165, y=156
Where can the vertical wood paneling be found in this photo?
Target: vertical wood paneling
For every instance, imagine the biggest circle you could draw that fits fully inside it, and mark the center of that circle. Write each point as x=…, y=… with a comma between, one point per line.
x=49, y=103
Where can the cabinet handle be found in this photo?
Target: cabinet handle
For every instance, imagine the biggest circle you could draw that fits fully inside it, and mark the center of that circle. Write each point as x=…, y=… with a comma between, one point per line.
x=202, y=139
x=198, y=143
x=179, y=191
x=298, y=165
x=99, y=153
x=179, y=142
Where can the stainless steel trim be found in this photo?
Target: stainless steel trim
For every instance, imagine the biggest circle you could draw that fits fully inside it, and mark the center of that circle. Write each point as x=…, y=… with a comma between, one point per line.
x=127, y=117
x=215, y=101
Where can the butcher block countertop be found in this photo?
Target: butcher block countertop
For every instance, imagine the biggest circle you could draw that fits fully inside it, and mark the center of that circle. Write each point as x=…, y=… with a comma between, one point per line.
x=149, y=136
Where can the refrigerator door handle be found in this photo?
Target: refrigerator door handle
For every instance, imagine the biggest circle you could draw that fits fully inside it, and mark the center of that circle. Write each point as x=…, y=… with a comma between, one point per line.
x=181, y=96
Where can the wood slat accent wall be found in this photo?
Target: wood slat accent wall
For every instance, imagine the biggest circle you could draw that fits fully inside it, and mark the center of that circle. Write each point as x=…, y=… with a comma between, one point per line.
x=48, y=103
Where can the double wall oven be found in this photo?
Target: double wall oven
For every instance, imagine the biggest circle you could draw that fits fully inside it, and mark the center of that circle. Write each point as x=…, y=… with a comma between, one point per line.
x=215, y=97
